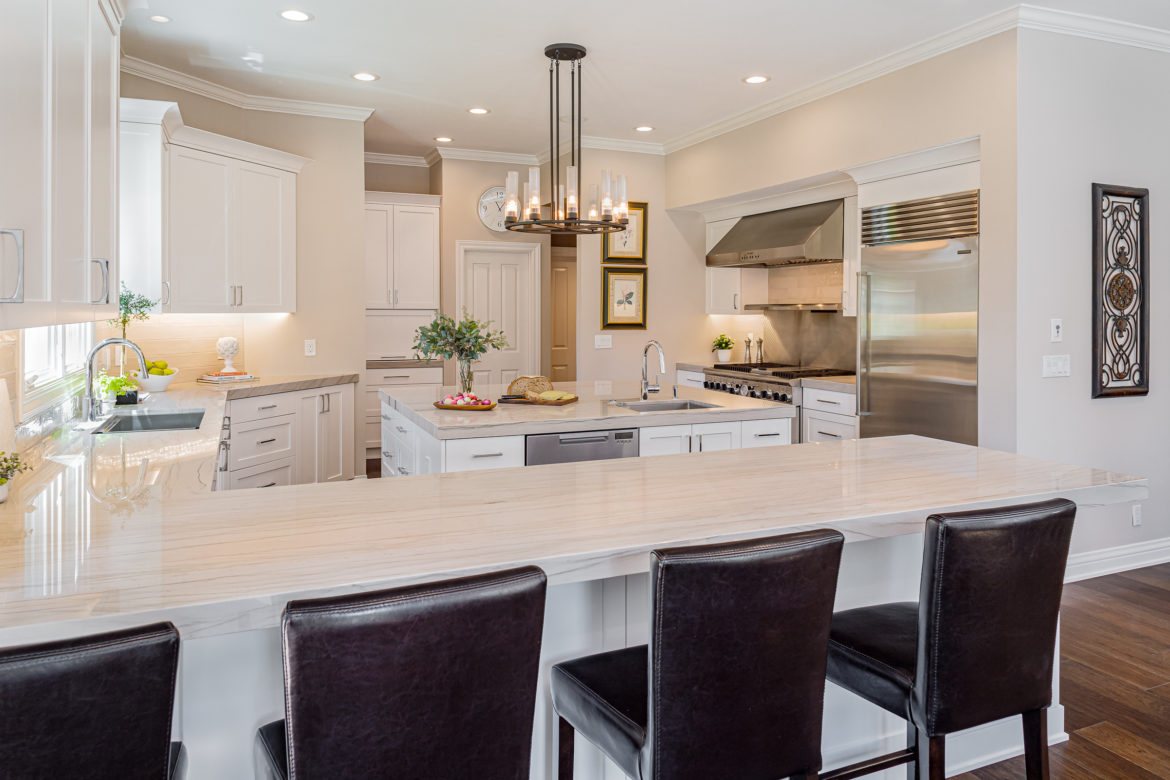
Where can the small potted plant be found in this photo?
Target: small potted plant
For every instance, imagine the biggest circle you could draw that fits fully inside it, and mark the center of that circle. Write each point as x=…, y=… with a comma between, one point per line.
x=464, y=341
x=10, y=466
x=722, y=348
x=122, y=390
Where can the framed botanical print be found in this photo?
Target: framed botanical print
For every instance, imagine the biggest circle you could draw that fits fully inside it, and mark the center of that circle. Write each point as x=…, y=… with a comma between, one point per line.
x=623, y=298
x=627, y=246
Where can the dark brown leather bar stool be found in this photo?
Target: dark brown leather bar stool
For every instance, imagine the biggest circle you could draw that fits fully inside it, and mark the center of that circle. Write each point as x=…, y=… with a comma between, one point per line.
x=978, y=645
x=91, y=708
x=434, y=680
x=732, y=682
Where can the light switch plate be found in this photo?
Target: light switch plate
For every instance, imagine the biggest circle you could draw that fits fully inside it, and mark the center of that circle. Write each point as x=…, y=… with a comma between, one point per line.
x=1057, y=327
x=602, y=341
x=1056, y=365
x=1136, y=514
x=310, y=347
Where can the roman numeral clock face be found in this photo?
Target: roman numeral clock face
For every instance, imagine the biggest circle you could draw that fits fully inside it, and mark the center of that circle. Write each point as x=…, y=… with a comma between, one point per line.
x=491, y=208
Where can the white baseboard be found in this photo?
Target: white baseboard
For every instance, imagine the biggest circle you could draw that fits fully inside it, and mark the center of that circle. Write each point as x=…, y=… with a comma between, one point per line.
x=1097, y=563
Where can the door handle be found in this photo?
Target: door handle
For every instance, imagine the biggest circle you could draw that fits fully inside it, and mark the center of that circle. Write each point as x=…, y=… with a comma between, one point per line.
x=167, y=301
x=104, y=296
x=17, y=236
x=865, y=282
x=397, y=376
x=827, y=401
x=262, y=408
x=402, y=470
x=266, y=441
x=270, y=484
x=395, y=296
x=735, y=301
x=241, y=295
x=386, y=454
x=763, y=435
x=400, y=429
x=826, y=433
x=488, y=455
x=223, y=453
x=569, y=439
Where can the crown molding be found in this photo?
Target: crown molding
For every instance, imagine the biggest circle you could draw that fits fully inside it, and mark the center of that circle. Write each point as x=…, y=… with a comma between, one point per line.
x=610, y=145
x=959, y=152
x=481, y=155
x=377, y=158
x=164, y=75
x=1096, y=27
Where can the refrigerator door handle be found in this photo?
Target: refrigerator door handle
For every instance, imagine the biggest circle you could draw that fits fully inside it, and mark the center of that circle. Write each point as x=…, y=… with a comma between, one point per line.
x=864, y=283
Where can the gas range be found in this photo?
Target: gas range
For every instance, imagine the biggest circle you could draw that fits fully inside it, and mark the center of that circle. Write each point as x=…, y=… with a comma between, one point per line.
x=768, y=381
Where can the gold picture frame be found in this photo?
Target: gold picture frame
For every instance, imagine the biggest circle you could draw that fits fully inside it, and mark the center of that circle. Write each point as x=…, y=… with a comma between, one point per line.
x=623, y=298
x=627, y=246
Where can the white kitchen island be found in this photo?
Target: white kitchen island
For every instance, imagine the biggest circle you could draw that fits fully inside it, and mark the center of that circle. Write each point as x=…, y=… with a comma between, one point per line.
x=221, y=566
x=417, y=438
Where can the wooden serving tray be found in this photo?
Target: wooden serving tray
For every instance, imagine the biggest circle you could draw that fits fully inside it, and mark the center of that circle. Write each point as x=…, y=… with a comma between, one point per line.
x=466, y=407
x=539, y=403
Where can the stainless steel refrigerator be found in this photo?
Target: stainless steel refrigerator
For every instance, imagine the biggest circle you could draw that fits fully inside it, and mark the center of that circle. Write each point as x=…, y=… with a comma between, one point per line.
x=918, y=317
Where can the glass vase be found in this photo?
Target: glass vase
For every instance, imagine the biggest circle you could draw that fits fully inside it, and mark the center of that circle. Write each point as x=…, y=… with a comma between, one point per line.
x=464, y=375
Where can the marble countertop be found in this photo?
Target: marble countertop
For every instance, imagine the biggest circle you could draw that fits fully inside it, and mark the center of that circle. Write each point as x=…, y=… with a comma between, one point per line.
x=79, y=553
x=269, y=385
x=838, y=384
x=592, y=412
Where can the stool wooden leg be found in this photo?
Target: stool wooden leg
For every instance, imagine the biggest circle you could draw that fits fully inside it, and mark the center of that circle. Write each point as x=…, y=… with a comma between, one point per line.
x=1036, y=744
x=930, y=761
x=912, y=744
x=564, y=750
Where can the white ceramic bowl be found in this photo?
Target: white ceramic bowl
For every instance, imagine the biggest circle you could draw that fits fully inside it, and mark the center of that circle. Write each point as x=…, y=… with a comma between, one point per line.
x=153, y=383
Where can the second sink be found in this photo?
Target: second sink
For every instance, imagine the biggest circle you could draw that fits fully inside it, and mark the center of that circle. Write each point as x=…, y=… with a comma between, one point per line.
x=674, y=405
x=177, y=420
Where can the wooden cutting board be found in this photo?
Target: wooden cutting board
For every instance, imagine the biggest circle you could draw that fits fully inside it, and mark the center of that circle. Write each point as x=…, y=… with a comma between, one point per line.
x=562, y=402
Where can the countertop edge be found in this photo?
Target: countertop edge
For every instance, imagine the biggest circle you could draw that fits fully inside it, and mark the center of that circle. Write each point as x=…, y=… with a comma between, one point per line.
x=288, y=386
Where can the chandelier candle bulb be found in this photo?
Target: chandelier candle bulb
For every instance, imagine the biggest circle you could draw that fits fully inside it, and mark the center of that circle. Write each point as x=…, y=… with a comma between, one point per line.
x=571, y=191
x=534, y=192
x=622, y=209
x=560, y=201
x=606, y=195
x=593, y=201
x=527, y=196
x=511, y=202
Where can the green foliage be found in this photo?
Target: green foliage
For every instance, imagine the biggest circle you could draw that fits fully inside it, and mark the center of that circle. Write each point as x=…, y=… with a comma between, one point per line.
x=10, y=466
x=722, y=342
x=118, y=385
x=467, y=339
x=131, y=307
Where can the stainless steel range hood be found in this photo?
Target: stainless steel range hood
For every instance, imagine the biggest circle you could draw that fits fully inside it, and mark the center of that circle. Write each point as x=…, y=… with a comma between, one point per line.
x=797, y=236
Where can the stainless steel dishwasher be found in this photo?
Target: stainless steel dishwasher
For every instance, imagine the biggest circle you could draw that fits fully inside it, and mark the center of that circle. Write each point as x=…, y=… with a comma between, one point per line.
x=587, y=445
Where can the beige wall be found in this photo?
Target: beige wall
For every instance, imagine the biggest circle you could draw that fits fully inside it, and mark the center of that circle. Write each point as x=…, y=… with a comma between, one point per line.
x=398, y=178
x=961, y=94
x=330, y=237
x=461, y=182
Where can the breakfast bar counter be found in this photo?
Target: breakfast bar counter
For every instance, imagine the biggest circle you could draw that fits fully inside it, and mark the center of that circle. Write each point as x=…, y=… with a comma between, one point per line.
x=221, y=566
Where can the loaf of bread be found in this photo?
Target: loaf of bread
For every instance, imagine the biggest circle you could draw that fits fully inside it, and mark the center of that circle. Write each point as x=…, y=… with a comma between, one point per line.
x=525, y=384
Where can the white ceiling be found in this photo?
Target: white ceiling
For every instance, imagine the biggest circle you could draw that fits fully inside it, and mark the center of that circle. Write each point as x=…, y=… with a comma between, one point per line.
x=672, y=64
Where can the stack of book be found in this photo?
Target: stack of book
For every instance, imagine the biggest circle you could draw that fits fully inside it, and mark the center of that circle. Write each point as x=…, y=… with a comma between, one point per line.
x=225, y=377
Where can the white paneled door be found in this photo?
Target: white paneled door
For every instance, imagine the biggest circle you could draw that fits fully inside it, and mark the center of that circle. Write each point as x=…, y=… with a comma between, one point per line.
x=500, y=282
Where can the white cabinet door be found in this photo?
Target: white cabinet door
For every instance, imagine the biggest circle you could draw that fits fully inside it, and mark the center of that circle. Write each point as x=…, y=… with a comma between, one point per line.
x=765, y=433
x=390, y=334
x=379, y=233
x=822, y=426
x=416, y=257
x=711, y=437
x=264, y=227
x=723, y=291
x=664, y=440
x=199, y=231
x=103, y=160
x=25, y=124
x=325, y=435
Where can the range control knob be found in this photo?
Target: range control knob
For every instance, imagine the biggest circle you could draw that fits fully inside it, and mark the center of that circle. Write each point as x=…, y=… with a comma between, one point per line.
x=783, y=398
x=744, y=390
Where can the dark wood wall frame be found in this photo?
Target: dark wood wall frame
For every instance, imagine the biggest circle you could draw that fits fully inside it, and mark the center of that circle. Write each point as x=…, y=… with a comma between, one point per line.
x=1121, y=290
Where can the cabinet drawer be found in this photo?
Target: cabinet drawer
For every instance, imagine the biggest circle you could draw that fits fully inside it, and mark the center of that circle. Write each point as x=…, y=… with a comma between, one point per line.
x=766, y=433
x=664, y=440
x=713, y=437
x=390, y=334
x=381, y=377
x=490, y=452
x=261, y=441
x=273, y=474
x=819, y=426
x=689, y=378
x=829, y=401
x=261, y=407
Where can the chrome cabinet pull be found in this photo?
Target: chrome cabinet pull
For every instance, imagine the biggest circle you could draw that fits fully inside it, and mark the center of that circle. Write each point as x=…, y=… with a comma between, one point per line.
x=865, y=282
x=735, y=301
x=397, y=376
x=223, y=455
x=400, y=429
x=395, y=296
x=241, y=295
x=762, y=435
x=270, y=484
x=392, y=357
x=386, y=454
x=167, y=301
x=18, y=236
x=104, y=296
x=402, y=470
x=827, y=401
x=488, y=455
x=386, y=418
x=826, y=433
x=266, y=441
x=262, y=408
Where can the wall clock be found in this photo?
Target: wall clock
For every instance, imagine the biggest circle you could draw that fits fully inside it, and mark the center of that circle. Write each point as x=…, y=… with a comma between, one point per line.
x=491, y=208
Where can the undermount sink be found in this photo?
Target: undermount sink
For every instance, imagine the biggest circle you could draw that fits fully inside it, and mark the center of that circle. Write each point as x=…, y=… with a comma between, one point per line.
x=674, y=405
x=176, y=420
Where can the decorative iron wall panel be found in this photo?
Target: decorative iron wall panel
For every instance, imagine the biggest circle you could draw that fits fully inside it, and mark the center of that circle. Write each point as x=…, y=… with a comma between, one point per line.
x=1121, y=273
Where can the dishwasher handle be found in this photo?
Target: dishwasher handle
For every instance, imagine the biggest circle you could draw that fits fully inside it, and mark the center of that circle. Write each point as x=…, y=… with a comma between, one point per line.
x=582, y=438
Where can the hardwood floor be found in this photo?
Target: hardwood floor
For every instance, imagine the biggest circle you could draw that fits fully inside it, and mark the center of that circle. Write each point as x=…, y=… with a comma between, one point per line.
x=1114, y=679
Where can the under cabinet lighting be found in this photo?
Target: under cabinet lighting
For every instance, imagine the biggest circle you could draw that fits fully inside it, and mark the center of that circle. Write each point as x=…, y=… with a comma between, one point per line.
x=295, y=15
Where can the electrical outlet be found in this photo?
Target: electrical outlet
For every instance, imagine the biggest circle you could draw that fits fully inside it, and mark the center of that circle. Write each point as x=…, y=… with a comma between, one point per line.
x=602, y=387
x=1136, y=513
x=1057, y=326
x=1056, y=365
x=602, y=341
x=310, y=347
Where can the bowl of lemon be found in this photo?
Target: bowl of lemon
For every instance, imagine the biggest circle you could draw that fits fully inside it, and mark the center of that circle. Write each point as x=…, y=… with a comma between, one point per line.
x=158, y=376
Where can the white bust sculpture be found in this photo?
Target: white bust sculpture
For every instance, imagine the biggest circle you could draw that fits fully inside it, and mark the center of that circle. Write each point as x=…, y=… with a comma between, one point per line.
x=227, y=348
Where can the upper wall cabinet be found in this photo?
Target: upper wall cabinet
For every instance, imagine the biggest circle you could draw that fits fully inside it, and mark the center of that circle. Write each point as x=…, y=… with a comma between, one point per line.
x=727, y=288
x=208, y=222
x=58, y=157
x=402, y=251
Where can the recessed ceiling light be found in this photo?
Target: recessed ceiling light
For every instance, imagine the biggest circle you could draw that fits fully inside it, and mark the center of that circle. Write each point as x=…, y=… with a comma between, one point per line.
x=643, y=128
x=160, y=19
x=443, y=139
x=477, y=110
x=363, y=76
x=756, y=79
x=295, y=15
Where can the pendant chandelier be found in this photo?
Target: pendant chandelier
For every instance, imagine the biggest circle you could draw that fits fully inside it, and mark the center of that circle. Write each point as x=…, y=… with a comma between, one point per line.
x=606, y=210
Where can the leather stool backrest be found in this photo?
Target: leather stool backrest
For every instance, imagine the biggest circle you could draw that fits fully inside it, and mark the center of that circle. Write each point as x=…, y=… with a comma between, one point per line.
x=990, y=597
x=737, y=656
x=94, y=707
x=434, y=680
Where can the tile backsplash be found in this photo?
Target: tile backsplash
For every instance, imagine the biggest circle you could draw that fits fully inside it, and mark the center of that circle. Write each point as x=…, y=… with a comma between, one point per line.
x=185, y=341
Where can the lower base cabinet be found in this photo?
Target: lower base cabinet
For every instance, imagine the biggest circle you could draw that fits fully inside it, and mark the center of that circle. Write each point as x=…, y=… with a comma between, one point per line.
x=288, y=439
x=712, y=437
x=826, y=426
